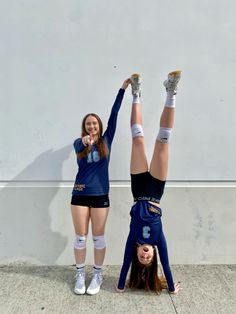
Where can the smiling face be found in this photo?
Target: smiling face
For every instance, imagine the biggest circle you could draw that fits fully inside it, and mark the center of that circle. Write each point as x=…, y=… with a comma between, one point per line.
x=92, y=126
x=145, y=253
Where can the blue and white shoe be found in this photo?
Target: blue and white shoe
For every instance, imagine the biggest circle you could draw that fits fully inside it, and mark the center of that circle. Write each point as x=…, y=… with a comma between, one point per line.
x=136, y=84
x=171, y=84
x=95, y=284
x=80, y=282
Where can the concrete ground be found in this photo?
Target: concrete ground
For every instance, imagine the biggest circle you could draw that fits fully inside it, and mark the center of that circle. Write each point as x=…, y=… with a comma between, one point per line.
x=49, y=289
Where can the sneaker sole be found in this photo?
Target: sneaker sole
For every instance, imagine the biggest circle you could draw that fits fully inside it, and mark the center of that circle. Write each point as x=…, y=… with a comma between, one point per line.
x=175, y=73
x=93, y=292
x=135, y=76
x=79, y=292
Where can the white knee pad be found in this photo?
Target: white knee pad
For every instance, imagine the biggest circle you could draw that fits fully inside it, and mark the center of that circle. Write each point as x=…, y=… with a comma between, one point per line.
x=99, y=242
x=80, y=242
x=164, y=135
x=137, y=130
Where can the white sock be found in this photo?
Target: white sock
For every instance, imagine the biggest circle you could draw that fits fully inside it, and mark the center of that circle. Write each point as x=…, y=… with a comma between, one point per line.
x=97, y=268
x=170, y=100
x=136, y=99
x=80, y=266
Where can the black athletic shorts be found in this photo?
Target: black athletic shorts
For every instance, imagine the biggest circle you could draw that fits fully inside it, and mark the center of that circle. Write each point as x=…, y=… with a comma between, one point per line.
x=145, y=187
x=98, y=201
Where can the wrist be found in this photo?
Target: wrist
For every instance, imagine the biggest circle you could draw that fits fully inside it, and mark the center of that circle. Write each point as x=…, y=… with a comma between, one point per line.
x=119, y=290
x=83, y=142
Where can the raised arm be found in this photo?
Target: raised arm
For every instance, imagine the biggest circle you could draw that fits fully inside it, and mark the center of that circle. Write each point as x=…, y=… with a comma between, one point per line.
x=112, y=121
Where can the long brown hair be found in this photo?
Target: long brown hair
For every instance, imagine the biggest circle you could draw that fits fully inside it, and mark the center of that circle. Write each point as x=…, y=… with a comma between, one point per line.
x=146, y=276
x=101, y=145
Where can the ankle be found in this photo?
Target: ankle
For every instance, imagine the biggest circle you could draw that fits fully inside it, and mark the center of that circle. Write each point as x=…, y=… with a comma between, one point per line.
x=136, y=99
x=170, y=100
x=80, y=270
x=97, y=269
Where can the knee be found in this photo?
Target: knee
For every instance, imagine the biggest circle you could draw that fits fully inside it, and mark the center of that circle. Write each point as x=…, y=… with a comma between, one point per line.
x=138, y=141
x=137, y=131
x=164, y=135
x=138, y=144
x=80, y=242
x=99, y=242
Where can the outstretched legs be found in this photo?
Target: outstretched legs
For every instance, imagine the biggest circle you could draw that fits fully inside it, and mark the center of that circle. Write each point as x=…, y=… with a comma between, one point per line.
x=138, y=162
x=159, y=162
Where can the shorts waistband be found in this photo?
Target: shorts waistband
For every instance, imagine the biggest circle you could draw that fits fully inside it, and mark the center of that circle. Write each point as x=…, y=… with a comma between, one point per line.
x=146, y=198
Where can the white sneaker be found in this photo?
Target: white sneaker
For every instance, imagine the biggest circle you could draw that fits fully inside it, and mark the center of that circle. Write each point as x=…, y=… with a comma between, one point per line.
x=172, y=81
x=80, y=282
x=95, y=284
x=136, y=84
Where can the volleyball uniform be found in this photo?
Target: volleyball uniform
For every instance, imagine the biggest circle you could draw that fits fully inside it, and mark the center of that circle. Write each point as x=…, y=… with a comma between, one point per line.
x=93, y=177
x=146, y=225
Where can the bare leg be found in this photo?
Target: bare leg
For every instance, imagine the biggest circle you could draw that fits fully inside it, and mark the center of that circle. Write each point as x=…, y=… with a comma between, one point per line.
x=138, y=162
x=80, y=216
x=98, y=219
x=159, y=162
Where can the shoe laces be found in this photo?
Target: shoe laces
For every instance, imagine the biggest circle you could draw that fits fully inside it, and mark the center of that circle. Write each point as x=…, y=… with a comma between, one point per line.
x=79, y=274
x=97, y=276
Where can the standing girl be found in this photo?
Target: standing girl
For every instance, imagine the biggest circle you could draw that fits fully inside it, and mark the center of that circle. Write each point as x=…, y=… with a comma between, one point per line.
x=90, y=199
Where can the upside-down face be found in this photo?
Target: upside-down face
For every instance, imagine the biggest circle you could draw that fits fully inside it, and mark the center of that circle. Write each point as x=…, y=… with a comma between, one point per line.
x=145, y=253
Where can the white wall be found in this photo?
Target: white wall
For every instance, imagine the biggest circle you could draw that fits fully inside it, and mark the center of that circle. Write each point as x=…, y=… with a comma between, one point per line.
x=61, y=59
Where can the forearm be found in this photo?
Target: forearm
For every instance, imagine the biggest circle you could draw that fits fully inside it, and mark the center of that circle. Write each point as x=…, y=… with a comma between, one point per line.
x=78, y=145
x=117, y=103
x=163, y=253
x=112, y=121
x=126, y=262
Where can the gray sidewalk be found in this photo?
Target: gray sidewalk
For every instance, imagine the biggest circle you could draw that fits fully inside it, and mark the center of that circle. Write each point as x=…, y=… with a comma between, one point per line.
x=49, y=289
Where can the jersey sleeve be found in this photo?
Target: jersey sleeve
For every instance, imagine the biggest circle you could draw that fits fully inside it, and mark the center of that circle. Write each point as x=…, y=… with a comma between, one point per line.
x=163, y=254
x=78, y=145
x=112, y=121
x=129, y=247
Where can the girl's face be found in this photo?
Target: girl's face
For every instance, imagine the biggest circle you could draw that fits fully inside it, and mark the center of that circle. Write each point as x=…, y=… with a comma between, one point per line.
x=91, y=125
x=145, y=253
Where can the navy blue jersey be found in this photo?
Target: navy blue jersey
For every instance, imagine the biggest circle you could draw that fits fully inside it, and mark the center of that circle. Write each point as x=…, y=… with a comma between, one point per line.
x=92, y=177
x=146, y=228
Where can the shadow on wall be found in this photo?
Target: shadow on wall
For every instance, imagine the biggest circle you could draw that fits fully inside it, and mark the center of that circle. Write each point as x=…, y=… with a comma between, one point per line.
x=25, y=220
